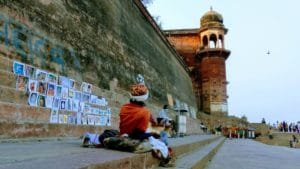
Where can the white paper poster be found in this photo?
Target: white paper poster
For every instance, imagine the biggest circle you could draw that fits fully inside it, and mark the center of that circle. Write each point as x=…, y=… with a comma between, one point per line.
x=49, y=101
x=54, y=116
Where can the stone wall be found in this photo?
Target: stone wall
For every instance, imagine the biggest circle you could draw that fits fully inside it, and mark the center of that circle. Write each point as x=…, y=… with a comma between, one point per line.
x=93, y=41
x=105, y=43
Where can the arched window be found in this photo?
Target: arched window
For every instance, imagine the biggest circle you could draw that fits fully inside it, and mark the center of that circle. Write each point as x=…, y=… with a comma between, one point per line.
x=220, y=42
x=213, y=41
x=205, y=41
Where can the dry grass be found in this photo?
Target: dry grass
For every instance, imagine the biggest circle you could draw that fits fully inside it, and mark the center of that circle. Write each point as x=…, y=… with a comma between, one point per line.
x=279, y=139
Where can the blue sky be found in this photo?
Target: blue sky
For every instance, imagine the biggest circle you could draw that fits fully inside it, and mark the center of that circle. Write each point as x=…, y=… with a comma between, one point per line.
x=260, y=85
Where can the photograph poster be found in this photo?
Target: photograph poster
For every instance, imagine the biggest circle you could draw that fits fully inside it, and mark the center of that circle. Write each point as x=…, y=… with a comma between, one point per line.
x=58, y=91
x=64, y=81
x=93, y=99
x=61, y=119
x=52, y=78
x=75, y=105
x=71, y=93
x=69, y=104
x=97, y=121
x=19, y=68
x=42, y=100
x=30, y=71
x=32, y=99
x=103, y=120
x=22, y=83
x=56, y=103
x=78, y=117
x=64, y=92
x=77, y=95
x=84, y=119
x=42, y=88
x=85, y=97
x=49, y=102
x=51, y=89
x=71, y=84
x=32, y=85
x=41, y=75
x=91, y=119
x=63, y=104
x=86, y=87
x=54, y=116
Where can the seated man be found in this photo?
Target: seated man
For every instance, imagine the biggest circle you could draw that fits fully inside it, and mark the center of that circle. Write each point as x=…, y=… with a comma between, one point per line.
x=163, y=118
x=135, y=118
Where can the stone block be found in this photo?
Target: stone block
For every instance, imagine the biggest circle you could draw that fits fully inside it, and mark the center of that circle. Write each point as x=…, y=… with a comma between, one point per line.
x=7, y=79
x=11, y=95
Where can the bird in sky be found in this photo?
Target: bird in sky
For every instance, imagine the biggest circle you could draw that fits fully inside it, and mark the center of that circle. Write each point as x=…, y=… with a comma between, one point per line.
x=268, y=52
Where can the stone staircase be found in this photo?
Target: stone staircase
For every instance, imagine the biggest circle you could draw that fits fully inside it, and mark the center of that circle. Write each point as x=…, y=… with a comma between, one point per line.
x=191, y=151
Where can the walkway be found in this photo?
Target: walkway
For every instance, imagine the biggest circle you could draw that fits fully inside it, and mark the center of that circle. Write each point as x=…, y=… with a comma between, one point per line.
x=249, y=154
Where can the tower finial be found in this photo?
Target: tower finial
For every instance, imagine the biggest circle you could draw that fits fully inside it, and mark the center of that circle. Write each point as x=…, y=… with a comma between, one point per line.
x=211, y=8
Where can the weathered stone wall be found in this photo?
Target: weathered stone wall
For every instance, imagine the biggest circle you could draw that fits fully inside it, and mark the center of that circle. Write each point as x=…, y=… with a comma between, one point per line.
x=93, y=41
x=105, y=43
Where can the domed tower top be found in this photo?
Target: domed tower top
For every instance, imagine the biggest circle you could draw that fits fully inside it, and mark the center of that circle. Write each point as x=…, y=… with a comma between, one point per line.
x=211, y=19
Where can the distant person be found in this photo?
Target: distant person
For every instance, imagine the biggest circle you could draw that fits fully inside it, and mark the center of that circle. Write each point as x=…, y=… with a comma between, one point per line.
x=163, y=118
x=293, y=141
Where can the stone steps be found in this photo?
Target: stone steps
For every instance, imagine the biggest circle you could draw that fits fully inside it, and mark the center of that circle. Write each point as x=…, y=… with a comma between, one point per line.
x=67, y=154
x=199, y=157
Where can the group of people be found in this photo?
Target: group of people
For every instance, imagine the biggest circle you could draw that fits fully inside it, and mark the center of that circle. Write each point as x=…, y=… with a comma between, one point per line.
x=288, y=127
x=135, y=124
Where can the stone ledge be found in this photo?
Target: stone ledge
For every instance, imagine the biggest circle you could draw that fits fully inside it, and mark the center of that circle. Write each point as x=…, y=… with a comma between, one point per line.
x=68, y=154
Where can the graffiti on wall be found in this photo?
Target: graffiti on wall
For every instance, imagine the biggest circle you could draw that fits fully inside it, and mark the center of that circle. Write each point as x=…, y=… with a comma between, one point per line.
x=29, y=45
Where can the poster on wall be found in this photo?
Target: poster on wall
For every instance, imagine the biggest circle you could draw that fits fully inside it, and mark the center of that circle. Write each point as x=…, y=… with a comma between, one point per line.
x=64, y=81
x=86, y=87
x=86, y=109
x=49, y=102
x=58, y=91
x=64, y=92
x=42, y=100
x=32, y=85
x=69, y=104
x=51, y=89
x=75, y=105
x=18, y=68
x=71, y=93
x=62, y=118
x=54, y=116
x=78, y=118
x=63, y=104
x=85, y=97
x=84, y=119
x=32, y=99
x=41, y=75
x=56, y=103
x=71, y=119
x=22, y=83
x=103, y=120
x=91, y=119
x=97, y=120
x=93, y=99
x=42, y=88
x=72, y=84
x=77, y=95
x=52, y=78
x=30, y=71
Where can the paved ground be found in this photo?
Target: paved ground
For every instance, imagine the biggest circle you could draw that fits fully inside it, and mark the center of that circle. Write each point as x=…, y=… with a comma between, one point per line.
x=249, y=154
x=64, y=154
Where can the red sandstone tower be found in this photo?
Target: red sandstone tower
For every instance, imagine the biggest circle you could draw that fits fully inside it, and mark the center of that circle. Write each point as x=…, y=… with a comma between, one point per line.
x=211, y=58
x=203, y=50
